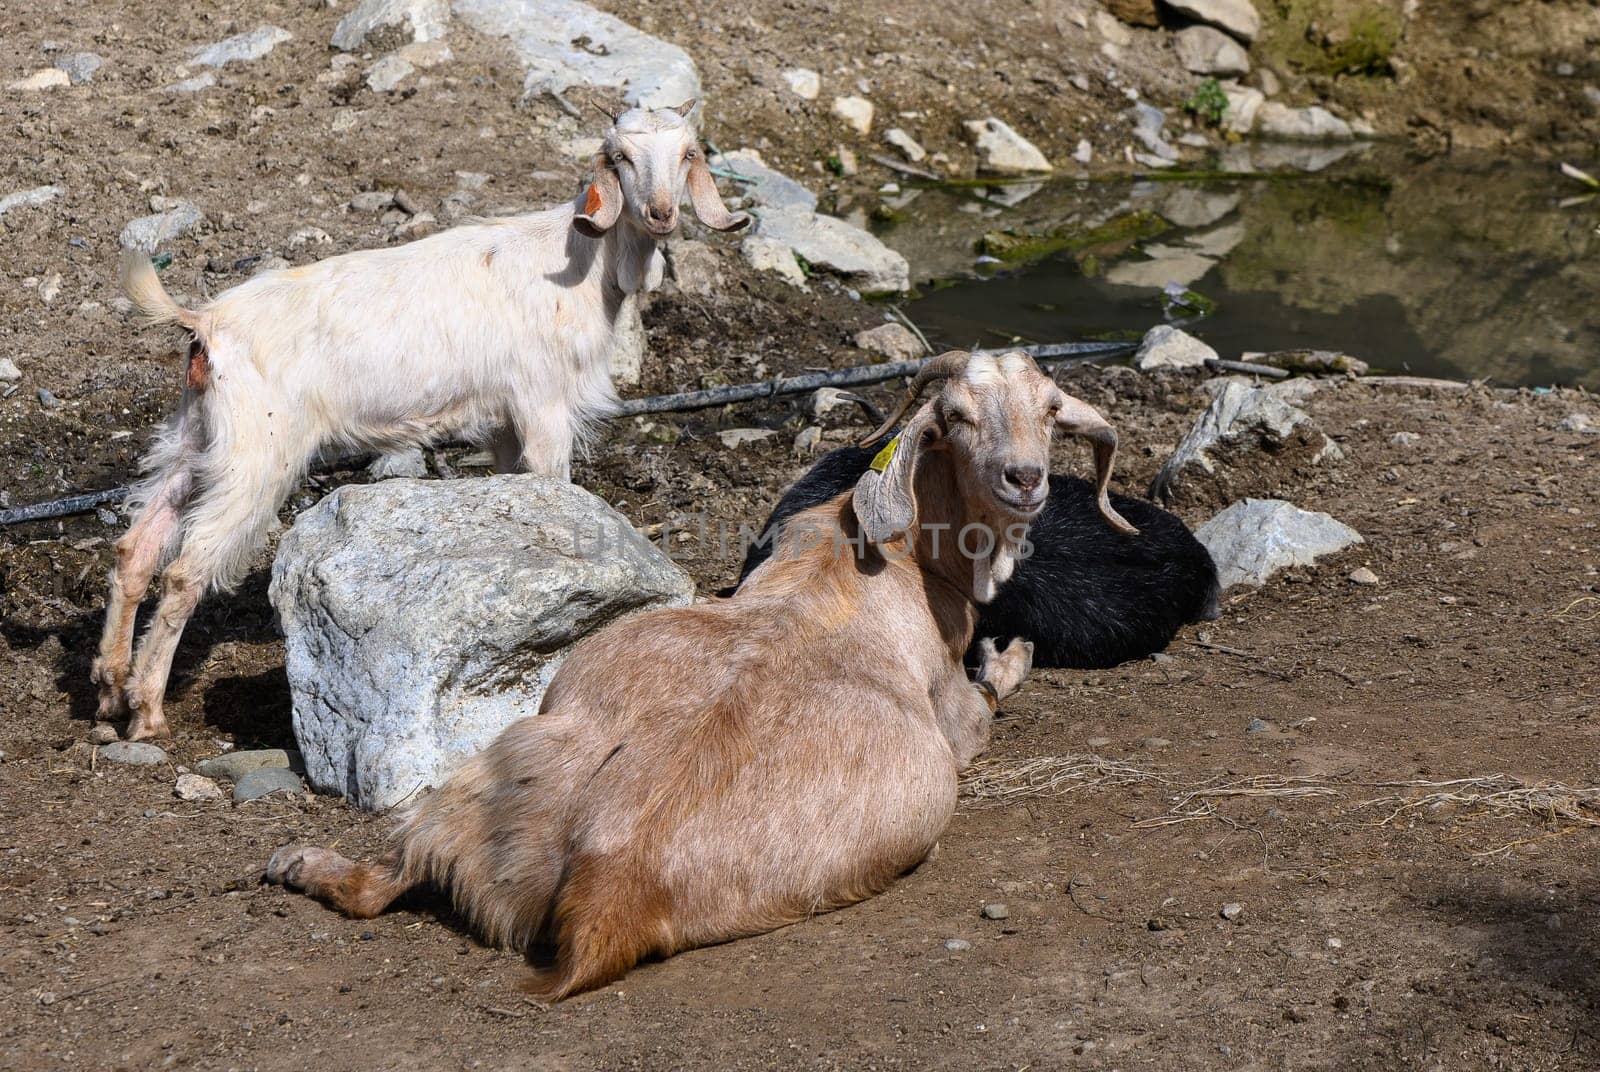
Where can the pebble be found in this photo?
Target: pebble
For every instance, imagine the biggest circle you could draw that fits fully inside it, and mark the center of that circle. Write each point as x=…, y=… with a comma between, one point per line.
x=102, y=734
x=196, y=787
x=372, y=201
x=734, y=438
x=233, y=766
x=996, y=910
x=1098, y=742
x=48, y=400
x=135, y=753
x=1334, y=943
x=906, y=144
x=1578, y=422
x=1232, y=911
x=1161, y=658
x=855, y=111
x=809, y=439
x=1363, y=576
x=44, y=78
x=803, y=82
x=957, y=945
x=266, y=781
x=1258, y=725
x=80, y=66
x=9, y=372
x=1155, y=744
x=1404, y=439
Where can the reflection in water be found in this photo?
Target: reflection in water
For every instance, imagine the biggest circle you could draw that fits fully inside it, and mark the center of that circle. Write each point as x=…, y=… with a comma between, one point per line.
x=1440, y=268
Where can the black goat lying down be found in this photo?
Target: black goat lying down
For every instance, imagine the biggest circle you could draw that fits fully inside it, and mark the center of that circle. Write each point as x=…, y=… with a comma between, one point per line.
x=1087, y=597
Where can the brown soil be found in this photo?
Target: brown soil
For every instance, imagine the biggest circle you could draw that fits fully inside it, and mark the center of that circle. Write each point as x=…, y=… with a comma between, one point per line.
x=132, y=929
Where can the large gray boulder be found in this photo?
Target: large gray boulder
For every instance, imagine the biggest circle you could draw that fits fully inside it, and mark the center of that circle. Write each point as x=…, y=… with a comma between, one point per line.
x=565, y=43
x=422, y=618
x=1238, y=17
x=1253, y=539
x=1243, y=440
x=838, y=247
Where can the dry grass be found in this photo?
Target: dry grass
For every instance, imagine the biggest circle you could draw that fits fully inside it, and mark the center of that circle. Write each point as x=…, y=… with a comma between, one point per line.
x=1200, y=801
x=991, y=782
x=1496, y=794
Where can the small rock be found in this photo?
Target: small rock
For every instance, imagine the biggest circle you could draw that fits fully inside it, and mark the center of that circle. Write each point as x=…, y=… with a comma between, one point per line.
x=695, y=267
x=1363, y=576
x=9, y=372
x=1404, y=439
x=1149, y=126
x=133, y=753
x=42, y=79
x=1258, y=725
x=241, y=47
x=893, y=340
x=265, y=781
x=205, y=80
x=771, y=255
x=957, y=945
x=1135, y=12
x=1084, y=152
x=372, y=201
x=734, y=438
x=808, y=440
x=1098, y=742
x=1251, y=540
x=233, y=766
x=1166, y=347
x=906, y=144
x=1002, y=151
x=1335, y=943
x=196, y=787
x=824, y=400
x=1232, y=911
x=387, y=74
x=1204, y=50
x=1301, y=124
x=1244, y=106
x=1238, y=17
x=80, y=66
x=856, y=113
x=411, y=464
x=39, y=195
x=424, y=55
x=803, y=82
x=48, y=400
x=104, y=733
x=996, y=910
x=1580, y=423
x=50, y=287
x=422, y=20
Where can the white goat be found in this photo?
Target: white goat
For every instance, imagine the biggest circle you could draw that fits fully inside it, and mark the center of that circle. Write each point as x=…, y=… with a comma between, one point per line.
x=501, y=330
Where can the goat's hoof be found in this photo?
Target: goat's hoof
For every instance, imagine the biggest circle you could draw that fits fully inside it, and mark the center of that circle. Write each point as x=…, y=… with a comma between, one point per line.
x=294, y=866
x=146, y=725
x=1005, y=670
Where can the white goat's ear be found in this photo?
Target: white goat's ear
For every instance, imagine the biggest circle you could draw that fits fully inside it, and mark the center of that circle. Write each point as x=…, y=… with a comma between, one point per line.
x=707, y=202
x=687, y=106
x=602, y=204
x=1077, y=417
x=885, y=497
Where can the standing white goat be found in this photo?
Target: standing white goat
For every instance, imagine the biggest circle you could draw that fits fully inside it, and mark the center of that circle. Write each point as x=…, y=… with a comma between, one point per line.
x=501, y=331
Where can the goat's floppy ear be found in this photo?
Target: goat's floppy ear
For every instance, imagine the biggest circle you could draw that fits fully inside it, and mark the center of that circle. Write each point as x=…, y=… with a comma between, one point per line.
x=707, y=202
x=1078, y=418
x=602, y=204
x=885, y=500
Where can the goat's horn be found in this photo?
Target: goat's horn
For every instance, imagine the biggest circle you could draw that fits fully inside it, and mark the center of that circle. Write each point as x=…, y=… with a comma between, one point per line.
x=934, y=370
x=609, y=112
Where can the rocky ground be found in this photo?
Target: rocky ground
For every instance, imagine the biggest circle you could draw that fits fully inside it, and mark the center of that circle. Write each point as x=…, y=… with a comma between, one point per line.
x=1267, y=763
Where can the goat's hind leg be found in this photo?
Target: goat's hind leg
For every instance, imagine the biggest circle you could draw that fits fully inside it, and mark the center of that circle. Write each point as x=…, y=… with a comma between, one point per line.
x=360, y=890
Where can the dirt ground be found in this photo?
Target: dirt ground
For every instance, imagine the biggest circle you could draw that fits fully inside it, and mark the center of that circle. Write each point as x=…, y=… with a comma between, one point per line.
x=1379, y=929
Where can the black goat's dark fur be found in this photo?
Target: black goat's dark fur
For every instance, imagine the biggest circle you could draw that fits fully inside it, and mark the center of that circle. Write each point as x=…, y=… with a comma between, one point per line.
x=1088, y=596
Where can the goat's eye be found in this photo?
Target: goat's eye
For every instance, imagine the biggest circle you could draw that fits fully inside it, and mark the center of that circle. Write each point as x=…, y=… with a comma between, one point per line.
x=955, y=416
x=691, y=154
x=618, y=158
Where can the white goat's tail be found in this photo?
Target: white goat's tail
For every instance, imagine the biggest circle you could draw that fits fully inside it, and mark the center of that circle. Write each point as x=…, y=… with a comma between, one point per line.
x=150, y=299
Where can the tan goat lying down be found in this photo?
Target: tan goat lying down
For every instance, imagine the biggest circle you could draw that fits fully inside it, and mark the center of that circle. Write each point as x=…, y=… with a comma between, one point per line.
x=720, y=770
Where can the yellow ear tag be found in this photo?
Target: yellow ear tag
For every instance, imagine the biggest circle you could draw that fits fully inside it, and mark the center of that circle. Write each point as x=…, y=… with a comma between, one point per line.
x=881, y=461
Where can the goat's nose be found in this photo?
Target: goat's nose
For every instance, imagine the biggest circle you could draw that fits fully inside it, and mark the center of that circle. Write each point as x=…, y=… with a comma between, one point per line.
x=661, y=213
x=1025, y=477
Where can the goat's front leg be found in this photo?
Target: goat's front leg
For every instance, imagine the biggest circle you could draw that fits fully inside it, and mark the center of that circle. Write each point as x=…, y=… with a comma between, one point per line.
x=965, y=708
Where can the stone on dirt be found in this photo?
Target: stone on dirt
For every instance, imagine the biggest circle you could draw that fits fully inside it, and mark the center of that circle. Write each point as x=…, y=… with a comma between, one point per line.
x=1244, y=106
x=104, y=733
x=1002, y=151
x=423, y=20
x=241, y=48
x=80, y=66
x=232, y=766
x=264, y=781
x=39, y=195
x=401, y=463
x=694, y=266
x=734, y=438
x=856, y=112
x=996, y=911
x=566, y=43
x=1301, y=124
x=1232, y=911
x=1312, y=361
x=771, y=255
x=908, y=146
x=42, y=79
x=1580, y=423
x=835, y=246
x=204, y=80
x=423, y=617
x=1363, y=576
x=893, y=340
x=1238, y=17
x=386, y=75
x=803, y=82
x=957, y=945
x=1240, y=417
x=196, y=787
x=133, y=753
x=768, y=186
x=1253, y=539
x=146, y=231
x=1204, y=50
x=1149, y=126
x=1166, y=347
x=1135, y=12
